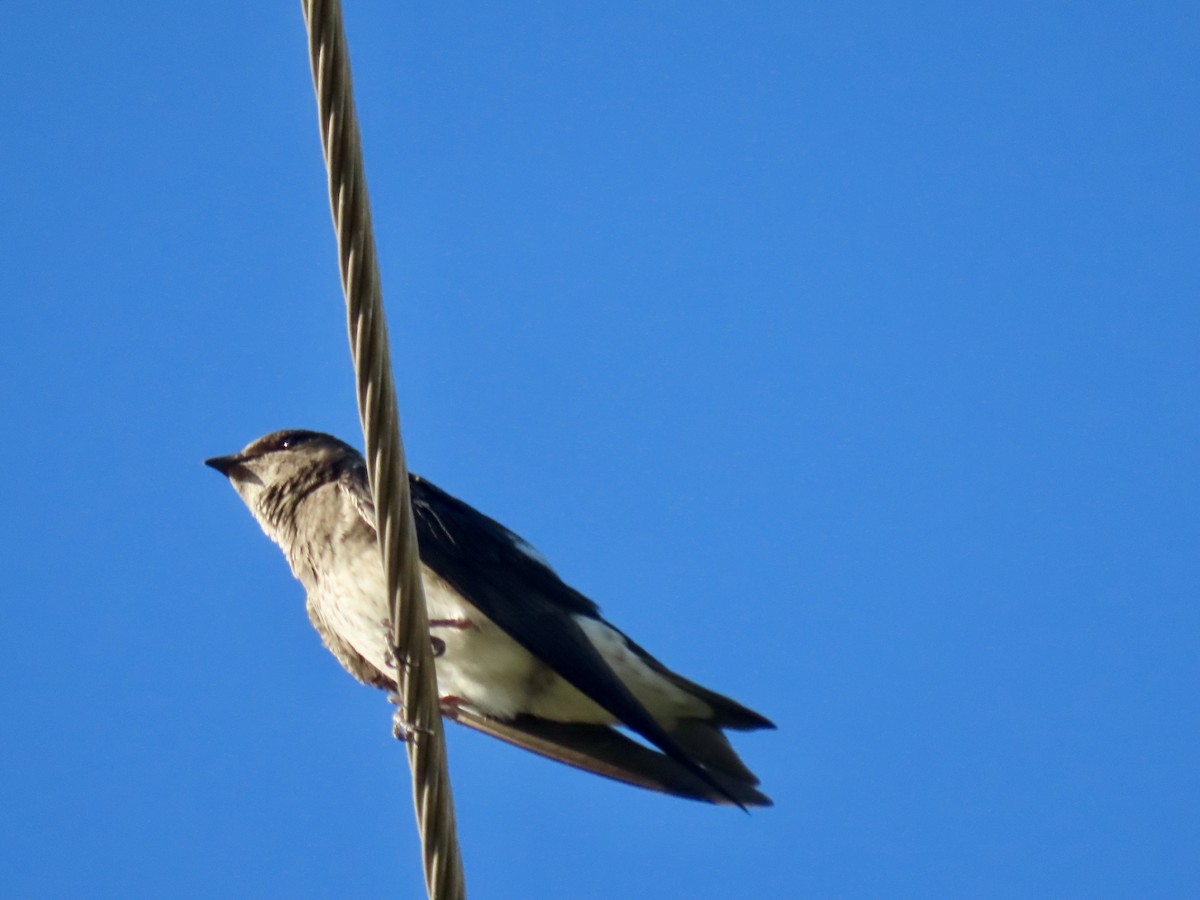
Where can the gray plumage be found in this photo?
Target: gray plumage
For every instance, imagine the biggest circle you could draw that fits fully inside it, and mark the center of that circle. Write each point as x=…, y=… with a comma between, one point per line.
x=519, y=654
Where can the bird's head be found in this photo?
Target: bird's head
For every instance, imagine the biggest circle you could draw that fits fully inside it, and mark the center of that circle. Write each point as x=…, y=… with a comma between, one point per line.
x=275, y=473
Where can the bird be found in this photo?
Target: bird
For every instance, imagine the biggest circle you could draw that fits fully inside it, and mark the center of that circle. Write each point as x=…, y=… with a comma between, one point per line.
x=519, y=654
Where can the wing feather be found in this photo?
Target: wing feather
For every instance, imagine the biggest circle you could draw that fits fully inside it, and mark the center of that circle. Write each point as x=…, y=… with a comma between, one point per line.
x=492, y=569
x=605, y=751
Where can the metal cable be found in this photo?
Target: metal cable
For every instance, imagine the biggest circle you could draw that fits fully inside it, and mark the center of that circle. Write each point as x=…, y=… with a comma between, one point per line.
x=415, y=679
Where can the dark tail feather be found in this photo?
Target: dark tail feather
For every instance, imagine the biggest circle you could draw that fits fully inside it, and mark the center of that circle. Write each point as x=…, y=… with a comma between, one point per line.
x=705, y=742
x=605, y=751
x=726, y=713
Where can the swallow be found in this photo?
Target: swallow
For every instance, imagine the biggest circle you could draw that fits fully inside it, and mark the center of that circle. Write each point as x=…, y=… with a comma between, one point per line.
x=519, y=654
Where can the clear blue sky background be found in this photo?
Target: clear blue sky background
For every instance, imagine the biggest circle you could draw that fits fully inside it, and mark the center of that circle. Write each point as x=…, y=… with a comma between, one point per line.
x=847, y=358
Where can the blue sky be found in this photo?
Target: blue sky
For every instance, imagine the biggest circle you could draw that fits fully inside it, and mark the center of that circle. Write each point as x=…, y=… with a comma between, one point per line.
x=846, y=355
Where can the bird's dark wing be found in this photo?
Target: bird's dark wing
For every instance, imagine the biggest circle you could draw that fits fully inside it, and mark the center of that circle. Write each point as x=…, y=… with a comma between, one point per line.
x=727, y=713
x=605, y=751
x=459, y=533
x=502, y=576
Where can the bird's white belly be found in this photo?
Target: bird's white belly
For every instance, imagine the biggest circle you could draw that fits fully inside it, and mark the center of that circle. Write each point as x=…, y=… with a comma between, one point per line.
x=479, y=664
x=485, y=668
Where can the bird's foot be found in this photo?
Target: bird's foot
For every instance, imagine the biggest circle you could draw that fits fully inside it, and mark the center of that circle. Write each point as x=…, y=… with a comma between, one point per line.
x=437, y=644
x=403, y=728
x=460, y=624
x=451, y=704
x=389, y=655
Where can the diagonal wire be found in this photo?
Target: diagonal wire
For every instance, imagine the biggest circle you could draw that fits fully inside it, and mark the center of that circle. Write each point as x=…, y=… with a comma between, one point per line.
x=415, y=678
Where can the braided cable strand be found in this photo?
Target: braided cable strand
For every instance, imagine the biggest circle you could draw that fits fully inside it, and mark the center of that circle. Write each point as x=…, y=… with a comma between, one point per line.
x=415, y=677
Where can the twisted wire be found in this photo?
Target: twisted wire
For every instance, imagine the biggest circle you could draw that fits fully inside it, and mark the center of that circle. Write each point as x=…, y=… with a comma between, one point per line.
x=384, y=451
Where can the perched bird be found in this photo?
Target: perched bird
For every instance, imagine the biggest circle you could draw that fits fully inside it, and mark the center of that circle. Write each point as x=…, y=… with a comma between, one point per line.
x=519, y=654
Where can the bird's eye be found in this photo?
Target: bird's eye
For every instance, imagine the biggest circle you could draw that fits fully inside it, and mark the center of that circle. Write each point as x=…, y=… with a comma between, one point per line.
x=290, y=440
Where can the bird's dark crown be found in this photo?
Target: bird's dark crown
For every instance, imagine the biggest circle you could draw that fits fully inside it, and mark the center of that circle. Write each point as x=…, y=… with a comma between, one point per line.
x=292, y=438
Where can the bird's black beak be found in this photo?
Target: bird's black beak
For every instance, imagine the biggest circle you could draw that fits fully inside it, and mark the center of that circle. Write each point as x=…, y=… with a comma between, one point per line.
x=224, y=464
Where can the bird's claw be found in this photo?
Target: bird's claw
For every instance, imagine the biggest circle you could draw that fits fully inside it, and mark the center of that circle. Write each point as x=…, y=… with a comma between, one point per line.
x=437, y=644
x=403, y=728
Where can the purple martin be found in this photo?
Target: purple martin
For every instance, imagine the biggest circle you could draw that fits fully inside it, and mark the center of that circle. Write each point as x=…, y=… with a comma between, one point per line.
x=520, y=654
